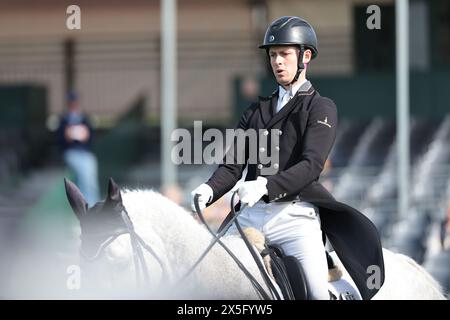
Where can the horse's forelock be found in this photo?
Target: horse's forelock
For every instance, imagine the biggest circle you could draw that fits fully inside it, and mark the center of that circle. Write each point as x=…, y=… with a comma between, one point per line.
x=96, y=207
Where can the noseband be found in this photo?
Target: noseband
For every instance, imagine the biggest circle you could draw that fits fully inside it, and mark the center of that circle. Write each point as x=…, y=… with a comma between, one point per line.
x=137, y=244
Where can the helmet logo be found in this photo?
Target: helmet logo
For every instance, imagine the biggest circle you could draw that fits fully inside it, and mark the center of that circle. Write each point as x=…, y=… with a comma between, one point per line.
x=271, y=38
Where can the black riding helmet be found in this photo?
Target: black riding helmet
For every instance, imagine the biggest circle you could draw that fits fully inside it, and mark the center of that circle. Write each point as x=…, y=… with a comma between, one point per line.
x=291, y=31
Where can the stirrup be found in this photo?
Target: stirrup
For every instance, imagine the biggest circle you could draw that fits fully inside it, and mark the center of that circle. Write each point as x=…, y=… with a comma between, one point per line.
x=346, y=296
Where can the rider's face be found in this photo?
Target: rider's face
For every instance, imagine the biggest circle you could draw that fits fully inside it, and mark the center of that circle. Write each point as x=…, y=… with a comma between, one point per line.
x=283, y=60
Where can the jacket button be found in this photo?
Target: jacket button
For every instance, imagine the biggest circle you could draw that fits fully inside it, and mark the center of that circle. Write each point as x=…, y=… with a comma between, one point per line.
x=266, y=133
x=280, y=132
x=277, y=148
x=262, y=149
x=260, y=166
x=275, y=165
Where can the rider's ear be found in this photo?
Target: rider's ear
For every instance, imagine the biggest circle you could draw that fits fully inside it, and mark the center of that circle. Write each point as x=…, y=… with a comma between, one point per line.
x=76, y=199
x=307, y=55
x=113, y=192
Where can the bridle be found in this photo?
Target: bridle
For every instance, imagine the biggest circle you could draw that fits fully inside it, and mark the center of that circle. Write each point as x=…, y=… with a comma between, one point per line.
x=137, y=245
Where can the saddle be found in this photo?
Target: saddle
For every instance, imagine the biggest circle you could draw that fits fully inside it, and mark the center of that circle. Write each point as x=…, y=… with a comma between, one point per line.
x=288, y=273
x=290, y=277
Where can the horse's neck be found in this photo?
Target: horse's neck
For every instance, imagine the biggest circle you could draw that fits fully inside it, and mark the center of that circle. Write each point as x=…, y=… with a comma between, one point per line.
x=185, y=240
x=150, y=213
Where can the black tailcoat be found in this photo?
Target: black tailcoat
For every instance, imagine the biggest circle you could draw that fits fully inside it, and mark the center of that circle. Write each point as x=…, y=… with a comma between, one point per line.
x=306, y=130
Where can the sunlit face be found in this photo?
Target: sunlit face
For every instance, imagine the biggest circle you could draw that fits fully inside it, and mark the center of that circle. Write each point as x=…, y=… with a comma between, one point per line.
x=283, y=60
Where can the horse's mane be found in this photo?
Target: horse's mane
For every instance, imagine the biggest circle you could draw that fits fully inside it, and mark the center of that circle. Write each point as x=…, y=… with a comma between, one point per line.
x=150, y=211
x=181, y=240
x=148, y=202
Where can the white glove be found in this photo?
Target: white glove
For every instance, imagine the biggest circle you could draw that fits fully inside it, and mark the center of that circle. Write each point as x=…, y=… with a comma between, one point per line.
x=206, y=195
x=251, y=191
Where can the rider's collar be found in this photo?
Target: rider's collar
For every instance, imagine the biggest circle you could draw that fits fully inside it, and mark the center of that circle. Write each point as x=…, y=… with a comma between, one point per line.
x=299, y=86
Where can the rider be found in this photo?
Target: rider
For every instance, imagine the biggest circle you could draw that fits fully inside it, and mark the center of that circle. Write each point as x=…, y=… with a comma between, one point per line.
x=285, y=204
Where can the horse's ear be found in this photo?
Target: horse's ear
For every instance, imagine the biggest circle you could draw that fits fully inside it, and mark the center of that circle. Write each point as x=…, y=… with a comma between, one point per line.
x=76, y=199
x=113, y=192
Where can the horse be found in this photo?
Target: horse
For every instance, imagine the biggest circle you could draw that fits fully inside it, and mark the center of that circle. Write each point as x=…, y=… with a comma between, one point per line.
x=139, y=244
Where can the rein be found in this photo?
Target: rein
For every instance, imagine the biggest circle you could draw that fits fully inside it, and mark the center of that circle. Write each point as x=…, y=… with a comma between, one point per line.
x=216, y=239
x=137, y=243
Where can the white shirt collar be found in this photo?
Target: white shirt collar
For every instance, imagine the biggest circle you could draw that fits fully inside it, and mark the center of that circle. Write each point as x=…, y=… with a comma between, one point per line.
x=282, y=92
x=294, y=89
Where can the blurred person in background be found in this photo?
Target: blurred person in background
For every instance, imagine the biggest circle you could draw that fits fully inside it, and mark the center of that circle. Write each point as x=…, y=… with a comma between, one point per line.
x=285, y=206
x=75, y=136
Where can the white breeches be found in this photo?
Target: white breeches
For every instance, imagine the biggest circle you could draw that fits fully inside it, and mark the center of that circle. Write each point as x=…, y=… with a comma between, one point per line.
x=295, y=226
